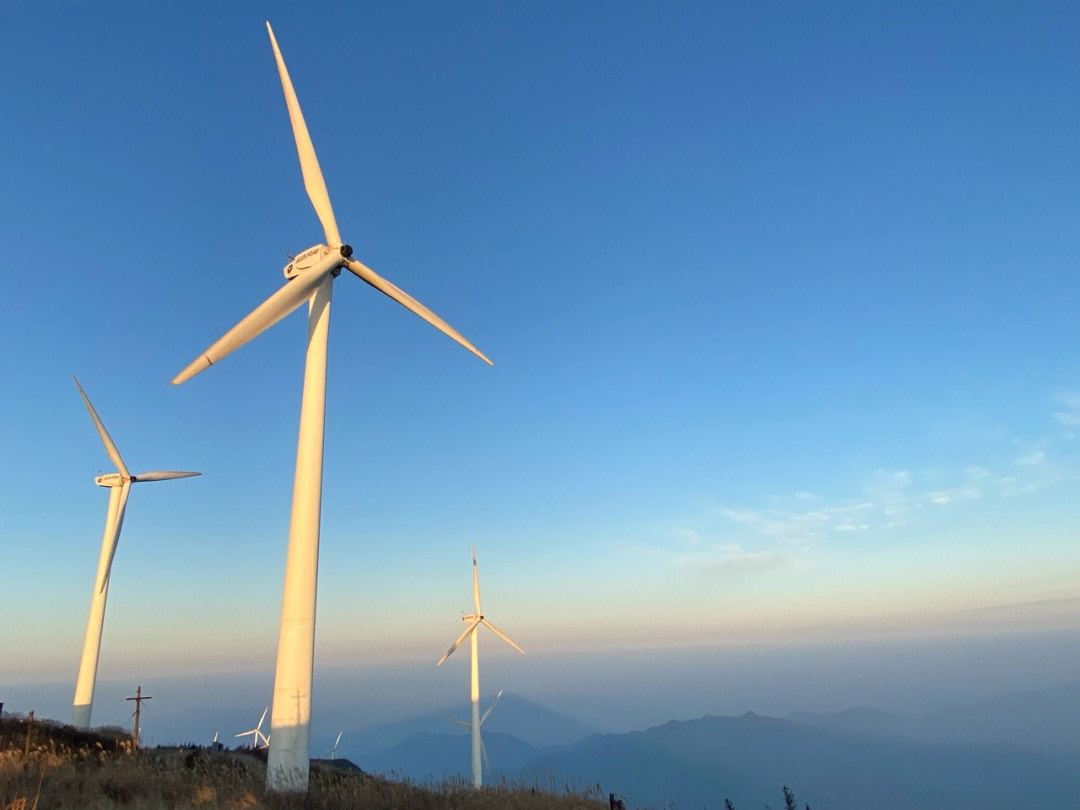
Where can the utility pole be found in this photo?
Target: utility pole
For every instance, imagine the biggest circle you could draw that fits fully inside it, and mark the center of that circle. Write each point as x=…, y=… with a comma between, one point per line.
x=139, y=698
x=29, y=726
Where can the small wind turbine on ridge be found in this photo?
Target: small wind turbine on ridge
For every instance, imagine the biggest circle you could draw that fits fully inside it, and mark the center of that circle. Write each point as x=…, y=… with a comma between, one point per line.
x=119, y=484
x=258, y=739
x=310, y=278
x=471, y=632
x=333, y=751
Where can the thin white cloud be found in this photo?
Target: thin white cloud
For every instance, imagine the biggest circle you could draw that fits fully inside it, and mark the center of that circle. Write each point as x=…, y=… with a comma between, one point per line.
x=947, y=496
x=890, y=499
x=688, y=537
x=1011, y=487
x=739, y=516
x=735, y=561
x=800, y=527
x=1071, y=417
x=890, y=490
x=1031, y=459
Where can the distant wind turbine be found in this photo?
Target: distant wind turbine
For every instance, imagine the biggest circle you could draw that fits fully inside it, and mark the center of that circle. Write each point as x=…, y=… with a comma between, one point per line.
x=333, y=751
x=483, y=748
x=475, y=620
x=256, y=733
x=310, y=275
x=119, y=484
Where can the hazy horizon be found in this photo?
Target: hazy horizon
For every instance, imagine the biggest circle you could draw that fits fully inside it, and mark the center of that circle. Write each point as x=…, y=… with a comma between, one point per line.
x=785, y=406
x=611, y=691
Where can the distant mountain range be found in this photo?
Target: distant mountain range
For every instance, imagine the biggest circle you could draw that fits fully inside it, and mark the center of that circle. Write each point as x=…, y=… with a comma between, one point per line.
x=962, y=757
x=531, y=723
x=1042, y=720
x=439, y=757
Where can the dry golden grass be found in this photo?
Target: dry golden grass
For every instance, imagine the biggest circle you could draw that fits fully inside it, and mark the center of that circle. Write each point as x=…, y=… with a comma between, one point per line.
x=65, y=768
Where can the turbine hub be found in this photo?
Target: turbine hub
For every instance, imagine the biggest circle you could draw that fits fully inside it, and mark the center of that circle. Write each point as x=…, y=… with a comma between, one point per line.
x=346, y=251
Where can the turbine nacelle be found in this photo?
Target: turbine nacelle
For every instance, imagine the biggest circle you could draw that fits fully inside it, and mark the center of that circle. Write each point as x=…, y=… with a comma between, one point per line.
x=110, y=480
x=312, y=256
x=474, y=620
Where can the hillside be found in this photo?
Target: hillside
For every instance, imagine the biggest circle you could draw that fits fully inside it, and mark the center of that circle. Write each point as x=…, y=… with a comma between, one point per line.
x=60, y=767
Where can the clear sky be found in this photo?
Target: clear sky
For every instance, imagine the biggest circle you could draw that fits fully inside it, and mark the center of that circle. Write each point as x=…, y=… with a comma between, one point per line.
x=782, y=301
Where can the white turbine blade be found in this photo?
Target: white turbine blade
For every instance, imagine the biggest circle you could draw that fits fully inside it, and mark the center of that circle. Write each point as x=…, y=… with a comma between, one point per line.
x=476, y=584
x=501, y=635
x=269, y=312
x=411, y=304
x=162, y=475
x=245, y=733
x=110, y=447
x=460, y=639
x=338, y=739
x=483, y=751
x=117, y=523
x=309, y=164
x=259, y=724
x=492, y=706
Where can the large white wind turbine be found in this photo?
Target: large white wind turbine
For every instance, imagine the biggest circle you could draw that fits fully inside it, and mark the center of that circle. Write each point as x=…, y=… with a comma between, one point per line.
x=471, y=632
x=119, y=483
x=310, y=277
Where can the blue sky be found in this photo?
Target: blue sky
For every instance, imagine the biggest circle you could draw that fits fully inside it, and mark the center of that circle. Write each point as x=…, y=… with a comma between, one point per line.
x=781, y=301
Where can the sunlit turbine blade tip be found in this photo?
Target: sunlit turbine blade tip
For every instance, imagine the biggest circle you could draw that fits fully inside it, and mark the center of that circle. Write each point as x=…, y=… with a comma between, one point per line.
x=369, y=276
x=309, y=163
x=110, y=445
x=199, y=364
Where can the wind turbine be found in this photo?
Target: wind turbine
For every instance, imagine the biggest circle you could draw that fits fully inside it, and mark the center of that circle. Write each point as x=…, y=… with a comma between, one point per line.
x=256, y=733
x=119, y=484
x=310, y=277
x=333, y=751
x=475, y=620
x=483, y=748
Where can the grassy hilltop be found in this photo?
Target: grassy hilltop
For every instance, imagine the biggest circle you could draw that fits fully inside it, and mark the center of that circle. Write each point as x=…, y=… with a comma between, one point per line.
x=62, y=767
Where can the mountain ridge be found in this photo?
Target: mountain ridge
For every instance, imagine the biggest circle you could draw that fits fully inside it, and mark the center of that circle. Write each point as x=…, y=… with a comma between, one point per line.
x=701, y=762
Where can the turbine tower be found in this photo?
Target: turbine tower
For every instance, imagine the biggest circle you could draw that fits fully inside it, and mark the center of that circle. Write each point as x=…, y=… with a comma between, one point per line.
x=471, y=632
x=310, y=277
x=119, y=484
